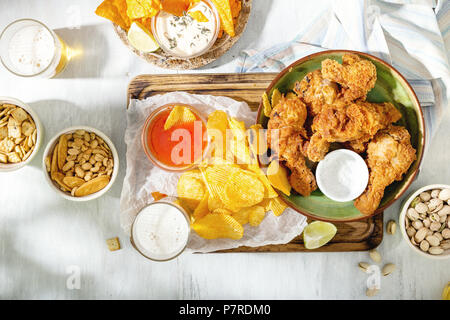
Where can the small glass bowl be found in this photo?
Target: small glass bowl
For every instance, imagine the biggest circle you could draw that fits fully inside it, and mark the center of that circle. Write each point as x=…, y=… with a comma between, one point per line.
x=170, y=201
x=149, y=152
x=170, y=52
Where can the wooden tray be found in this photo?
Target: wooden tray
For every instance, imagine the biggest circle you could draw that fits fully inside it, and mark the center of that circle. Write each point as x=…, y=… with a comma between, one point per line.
x=351, y=236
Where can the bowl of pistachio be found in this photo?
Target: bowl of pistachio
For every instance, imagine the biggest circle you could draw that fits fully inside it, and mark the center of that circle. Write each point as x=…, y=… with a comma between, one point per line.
x=425, y=221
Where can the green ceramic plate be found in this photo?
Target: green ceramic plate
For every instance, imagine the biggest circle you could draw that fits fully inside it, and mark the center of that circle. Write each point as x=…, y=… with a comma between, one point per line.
x=390, y=87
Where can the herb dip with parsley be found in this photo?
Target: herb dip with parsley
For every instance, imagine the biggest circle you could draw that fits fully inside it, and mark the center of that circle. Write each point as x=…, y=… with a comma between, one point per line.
x=184, y=36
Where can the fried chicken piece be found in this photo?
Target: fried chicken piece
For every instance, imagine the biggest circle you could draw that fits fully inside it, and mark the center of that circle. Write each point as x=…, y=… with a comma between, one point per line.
x=356, y=123
x=316, y=91
x=389, y=156
x=356, y=76
x=286, y=137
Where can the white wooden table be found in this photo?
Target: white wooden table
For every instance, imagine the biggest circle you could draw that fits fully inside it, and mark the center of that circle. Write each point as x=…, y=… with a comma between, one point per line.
x=44, y=239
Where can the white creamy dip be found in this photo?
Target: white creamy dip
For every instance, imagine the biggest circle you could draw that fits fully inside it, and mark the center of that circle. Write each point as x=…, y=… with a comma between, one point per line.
x=184, y=36
x=31, y=50
x=342, y=175
x=160, y=231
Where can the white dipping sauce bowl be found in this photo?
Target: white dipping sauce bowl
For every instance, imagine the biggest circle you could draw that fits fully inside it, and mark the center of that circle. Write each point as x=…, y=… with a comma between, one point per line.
x=342, y=175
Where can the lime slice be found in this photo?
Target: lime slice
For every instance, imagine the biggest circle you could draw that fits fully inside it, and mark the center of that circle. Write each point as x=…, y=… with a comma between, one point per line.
x=141, y=38
x=318, y=233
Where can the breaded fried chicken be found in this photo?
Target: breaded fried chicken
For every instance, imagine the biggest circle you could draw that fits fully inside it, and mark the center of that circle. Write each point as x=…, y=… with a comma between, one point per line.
x=316, y=91
x=389, y=155
x=356, y=123
x=286, y=137
x=355, y=75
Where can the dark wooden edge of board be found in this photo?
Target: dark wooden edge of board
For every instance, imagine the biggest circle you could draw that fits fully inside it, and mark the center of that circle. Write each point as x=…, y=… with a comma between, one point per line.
x=351, y=236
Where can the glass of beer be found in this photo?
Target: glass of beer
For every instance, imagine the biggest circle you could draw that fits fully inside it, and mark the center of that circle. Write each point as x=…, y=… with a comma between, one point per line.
x=28, y=48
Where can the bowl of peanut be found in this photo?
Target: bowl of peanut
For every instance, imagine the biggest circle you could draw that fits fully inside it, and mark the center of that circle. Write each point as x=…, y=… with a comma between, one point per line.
x=80, y=163
x=425, y=221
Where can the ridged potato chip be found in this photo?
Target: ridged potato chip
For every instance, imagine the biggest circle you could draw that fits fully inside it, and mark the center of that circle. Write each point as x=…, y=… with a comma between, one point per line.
x=222, y=211
x=178, y=116
x=277, y=206
x=92, y=186
x=258, y=139
x=202, y=208
x=278, y=177
x=242, y=215
x=243, y=189
x=214, y=203
x=217, y=126
x=256, y=215
x=214, y=226
x=269, y=191
x=190, y=190
x=267, y=108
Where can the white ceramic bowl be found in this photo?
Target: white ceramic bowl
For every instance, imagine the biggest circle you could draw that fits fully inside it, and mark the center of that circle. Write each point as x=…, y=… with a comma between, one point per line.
x=39, y=136
x=329, y=172
x=401, y=221
x=50, y=146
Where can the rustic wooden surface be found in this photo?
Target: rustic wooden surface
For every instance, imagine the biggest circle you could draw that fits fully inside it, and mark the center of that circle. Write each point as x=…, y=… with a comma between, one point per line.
x=351, y=236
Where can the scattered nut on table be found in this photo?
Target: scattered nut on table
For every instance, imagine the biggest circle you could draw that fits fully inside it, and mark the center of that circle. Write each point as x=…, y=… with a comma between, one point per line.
x=375, y=255
x=363, y=266
x=388, y=269
x=427, y=221
x=391, y=227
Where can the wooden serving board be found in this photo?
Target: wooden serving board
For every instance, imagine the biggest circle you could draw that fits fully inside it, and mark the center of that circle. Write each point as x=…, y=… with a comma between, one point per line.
x=351, y=236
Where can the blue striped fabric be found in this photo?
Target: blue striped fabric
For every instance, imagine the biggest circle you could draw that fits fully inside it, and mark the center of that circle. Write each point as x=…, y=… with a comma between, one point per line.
x=406, y=34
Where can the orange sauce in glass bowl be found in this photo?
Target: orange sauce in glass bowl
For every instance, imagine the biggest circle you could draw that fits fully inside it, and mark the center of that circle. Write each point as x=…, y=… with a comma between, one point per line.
x=177, y=148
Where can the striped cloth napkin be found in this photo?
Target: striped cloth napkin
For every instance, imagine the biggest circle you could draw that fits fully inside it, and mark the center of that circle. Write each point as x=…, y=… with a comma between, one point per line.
x=410, y=35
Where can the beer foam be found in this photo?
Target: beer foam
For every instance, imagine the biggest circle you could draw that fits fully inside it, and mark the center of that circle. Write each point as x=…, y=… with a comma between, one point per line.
x=31, y=50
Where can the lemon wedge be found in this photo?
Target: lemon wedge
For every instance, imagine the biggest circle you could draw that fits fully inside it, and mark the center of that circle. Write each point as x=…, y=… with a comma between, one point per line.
x=318, y=233
x=141, y=38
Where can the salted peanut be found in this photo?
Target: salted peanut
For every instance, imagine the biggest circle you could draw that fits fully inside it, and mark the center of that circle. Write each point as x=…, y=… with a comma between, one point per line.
x=92, y=186
x=79, y=172
x=69, y=165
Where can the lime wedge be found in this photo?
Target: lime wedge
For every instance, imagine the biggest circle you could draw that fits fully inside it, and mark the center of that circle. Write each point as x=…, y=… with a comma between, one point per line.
x=318, y=233
x=141, y=38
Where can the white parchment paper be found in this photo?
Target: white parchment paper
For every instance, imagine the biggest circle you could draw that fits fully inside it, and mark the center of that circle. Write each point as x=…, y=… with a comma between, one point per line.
x=142, y=177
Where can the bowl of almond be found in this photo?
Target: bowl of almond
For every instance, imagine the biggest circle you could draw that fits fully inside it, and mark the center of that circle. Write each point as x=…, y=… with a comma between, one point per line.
x=425, y=221
x=80, y=163
x=20, y=134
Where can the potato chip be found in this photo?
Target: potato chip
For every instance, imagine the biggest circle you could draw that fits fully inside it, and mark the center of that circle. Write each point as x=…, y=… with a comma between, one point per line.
x=216, y=177
x=222, y=211
x=267, y=108
x=258, y=139
x=214, y=203
x=115, y=11
x=92, y=186
x=278, y=177
x=269, y=191
x=62, y=151
x=202, y=209
x=265, y=204
x=243, y=189
x=214, y=226
x=226, y=16
x=190, y=190
x=73, y=182
x=178, y=116
x=217, y=126
x=158, y=195
x=256, y=215
x=277, y=206
x=242, y=216
x=198, y=16
x=276, y=97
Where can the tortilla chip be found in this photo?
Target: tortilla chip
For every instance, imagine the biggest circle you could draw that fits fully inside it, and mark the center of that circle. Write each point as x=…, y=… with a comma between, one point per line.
x=226, y=17
x=137, y=9
x=115, y=11
x=176, y=7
